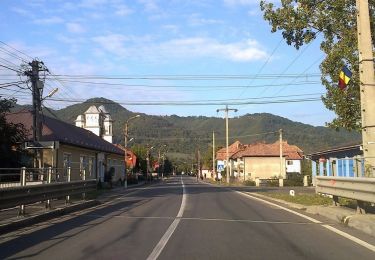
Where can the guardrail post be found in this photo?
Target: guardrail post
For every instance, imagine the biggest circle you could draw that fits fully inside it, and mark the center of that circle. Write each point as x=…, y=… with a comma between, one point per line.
x=84, y=178
x=360, y=207
x=335, y=200
x=23, y=183
x=67, y=198
x=257, y=182
x=49, y=178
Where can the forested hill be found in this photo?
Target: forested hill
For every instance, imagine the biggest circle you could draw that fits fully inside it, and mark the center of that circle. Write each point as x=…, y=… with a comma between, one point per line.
x=184, y=134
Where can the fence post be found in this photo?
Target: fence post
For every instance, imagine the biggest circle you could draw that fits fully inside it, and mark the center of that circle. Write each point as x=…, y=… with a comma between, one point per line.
x=23, y=183
x=49, y=178
x=84, y=178
x=306, y=180
x=67, y=198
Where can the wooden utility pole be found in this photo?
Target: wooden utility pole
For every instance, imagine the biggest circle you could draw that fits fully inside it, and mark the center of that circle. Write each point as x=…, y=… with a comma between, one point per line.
x=281, y=152
x=226, y=109
x=367, y=84
x=213, y=154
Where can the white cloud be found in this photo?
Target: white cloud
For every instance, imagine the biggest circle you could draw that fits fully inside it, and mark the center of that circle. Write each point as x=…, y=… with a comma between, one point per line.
x=49, y=20
x=123, y=10
x=182, y=48
x=113, y=43
x=241, y=2
x=75, y=28
x=207, y=47
x=197, y=20
x=23, y=12
x=150, y=5
x=254, y=12
x=93, y=3
x=171, y=28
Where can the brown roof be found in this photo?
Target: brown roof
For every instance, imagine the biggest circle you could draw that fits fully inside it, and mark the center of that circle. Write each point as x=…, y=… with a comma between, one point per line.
x=56, y=130
x=232, y=149
x=291, y=152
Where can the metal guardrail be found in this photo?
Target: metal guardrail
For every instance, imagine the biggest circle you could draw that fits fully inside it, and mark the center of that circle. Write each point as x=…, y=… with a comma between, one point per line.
x=360, y=189
x=15, y=196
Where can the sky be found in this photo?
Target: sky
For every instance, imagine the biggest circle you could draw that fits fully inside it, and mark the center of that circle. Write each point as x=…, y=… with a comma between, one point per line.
x=191, y=56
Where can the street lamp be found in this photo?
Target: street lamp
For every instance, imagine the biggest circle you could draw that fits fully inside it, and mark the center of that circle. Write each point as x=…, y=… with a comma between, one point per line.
x=126, y=145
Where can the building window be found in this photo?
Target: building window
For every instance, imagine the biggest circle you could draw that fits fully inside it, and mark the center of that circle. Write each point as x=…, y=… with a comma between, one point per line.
x=290, y=162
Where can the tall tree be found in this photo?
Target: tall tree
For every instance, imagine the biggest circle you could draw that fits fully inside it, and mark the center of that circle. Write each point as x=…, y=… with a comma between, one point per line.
x=334, y=23
x=10, y=135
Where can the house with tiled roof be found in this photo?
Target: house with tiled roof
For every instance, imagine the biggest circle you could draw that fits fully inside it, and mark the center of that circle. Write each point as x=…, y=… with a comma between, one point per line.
x=73, y=147
x=261, y=160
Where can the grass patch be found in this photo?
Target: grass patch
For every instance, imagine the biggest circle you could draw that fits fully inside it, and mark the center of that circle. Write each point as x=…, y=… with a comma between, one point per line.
x=304, y=198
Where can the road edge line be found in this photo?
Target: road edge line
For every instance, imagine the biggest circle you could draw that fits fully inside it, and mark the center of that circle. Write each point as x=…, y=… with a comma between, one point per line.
x=333, y=229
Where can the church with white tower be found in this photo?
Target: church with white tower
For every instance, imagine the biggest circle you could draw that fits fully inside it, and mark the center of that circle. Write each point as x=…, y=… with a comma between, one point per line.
x=97, y=120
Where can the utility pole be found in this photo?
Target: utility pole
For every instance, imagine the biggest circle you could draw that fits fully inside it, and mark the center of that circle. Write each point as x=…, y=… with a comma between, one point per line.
x=126, y=135
x=37, y=89
x=199, y=164
x=367, y=84
x=281, y=152
x=226, y=109
x=126, y=155
x=213, y=153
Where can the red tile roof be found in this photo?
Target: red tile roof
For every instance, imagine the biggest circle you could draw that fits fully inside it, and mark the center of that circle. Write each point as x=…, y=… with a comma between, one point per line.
x=291, y=152
x=232, y=149
x=56, y=130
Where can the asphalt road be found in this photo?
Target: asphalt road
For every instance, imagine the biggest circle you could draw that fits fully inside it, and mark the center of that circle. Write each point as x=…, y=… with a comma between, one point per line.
x=171, y=220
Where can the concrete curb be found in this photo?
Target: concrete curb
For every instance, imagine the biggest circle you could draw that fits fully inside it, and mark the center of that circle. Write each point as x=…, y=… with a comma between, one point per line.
x=348, y=217
x=23, y=222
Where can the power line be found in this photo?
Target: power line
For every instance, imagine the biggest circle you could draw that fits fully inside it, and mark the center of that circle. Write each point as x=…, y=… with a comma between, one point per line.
x=264, y=65
x=185, y=86
x=10, y=68
x=183, y=77
x=16, y=50
x=3, y=50
x=182, y=103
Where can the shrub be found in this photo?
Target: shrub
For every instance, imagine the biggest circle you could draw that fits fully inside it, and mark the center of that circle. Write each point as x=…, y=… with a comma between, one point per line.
x=249, y=183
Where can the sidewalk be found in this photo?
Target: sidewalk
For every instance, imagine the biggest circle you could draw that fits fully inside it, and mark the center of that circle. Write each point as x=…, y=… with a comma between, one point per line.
x=36, y=213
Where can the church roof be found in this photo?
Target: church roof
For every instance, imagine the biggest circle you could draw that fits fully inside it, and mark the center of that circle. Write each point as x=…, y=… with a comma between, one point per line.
x=103, y=109
x=80, y=118
x=92, y=110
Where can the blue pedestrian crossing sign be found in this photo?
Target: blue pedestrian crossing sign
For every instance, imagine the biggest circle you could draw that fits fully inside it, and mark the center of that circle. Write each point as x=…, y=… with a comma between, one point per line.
x=220, y=166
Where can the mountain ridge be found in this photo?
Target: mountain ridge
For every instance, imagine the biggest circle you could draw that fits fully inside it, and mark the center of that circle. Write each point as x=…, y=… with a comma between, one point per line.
x=184, y=135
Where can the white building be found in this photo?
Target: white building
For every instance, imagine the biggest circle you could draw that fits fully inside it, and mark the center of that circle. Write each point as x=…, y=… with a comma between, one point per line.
x=98, y=121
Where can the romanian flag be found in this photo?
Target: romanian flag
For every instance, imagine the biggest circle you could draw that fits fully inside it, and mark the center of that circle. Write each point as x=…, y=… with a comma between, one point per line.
x=344, y=78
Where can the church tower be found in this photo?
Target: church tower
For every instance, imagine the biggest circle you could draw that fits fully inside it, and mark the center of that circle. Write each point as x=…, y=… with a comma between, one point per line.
x=107, y=125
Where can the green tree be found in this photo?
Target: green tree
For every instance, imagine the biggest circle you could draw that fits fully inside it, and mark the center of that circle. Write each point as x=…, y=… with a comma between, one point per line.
x=10, y=136
x=334, y=23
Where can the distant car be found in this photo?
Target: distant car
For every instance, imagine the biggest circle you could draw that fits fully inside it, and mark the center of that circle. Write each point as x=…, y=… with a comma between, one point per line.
x=154, y=174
